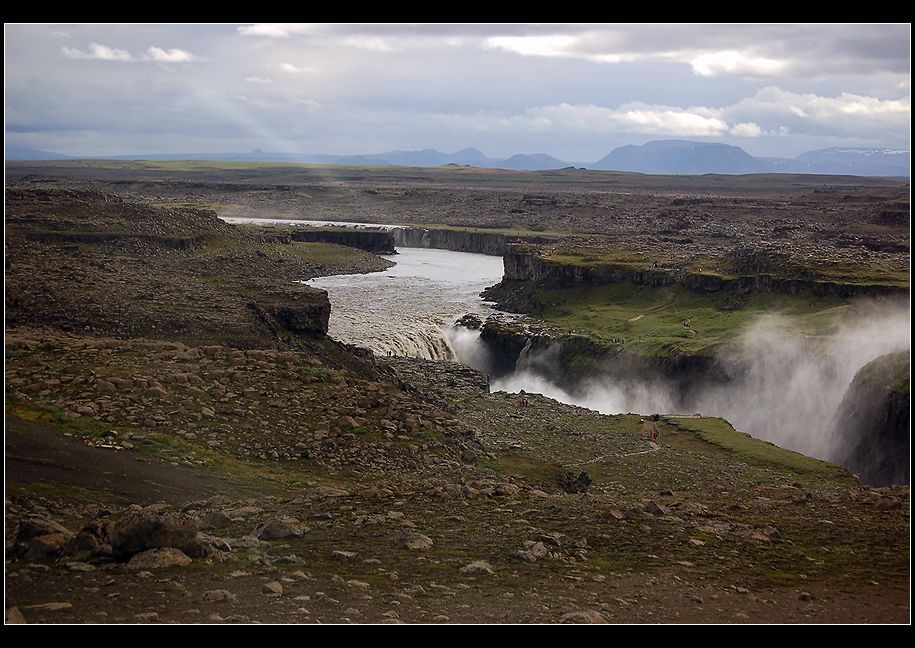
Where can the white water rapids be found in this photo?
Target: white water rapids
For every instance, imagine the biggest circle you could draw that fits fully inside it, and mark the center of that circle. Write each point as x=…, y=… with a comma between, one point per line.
x=408, y=309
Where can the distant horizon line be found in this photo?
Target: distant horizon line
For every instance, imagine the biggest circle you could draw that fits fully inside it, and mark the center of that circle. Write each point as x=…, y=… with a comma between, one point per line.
x=212, y=155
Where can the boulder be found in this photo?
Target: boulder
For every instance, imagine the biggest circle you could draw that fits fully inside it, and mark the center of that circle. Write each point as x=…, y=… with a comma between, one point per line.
x=533, y=551
x=414, y=541
x=153, y=527
x=344, y=556
x=159, y=559
x=273, y=587
x=47, y=546
x=215, y=520
x=571, y=482
x=656, y=509
x=218, y=596
x=94, y=538
x=278, y=528
x=478, y=567
x=583, y=616
x=36, y=526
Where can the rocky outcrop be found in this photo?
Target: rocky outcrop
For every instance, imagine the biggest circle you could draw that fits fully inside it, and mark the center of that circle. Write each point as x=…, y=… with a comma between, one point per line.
x=299, y=309
x=768, y=283
x=154, y=527
x=872, y=425
x=458, y=240
x=173, y=242
x=375, y=241
x=570, y=360
x=526, y=269
x=526, y=264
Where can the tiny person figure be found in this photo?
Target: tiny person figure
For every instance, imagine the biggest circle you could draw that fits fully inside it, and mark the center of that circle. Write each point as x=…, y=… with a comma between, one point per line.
x=649, y=428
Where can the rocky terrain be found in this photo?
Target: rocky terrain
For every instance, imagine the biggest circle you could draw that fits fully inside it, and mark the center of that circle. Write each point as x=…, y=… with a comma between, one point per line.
x=89, y=261
x=815, y=218
x=185, y=444
x=150, y=481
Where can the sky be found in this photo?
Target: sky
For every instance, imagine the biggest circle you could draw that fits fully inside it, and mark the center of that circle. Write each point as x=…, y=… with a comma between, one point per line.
x=572, y=91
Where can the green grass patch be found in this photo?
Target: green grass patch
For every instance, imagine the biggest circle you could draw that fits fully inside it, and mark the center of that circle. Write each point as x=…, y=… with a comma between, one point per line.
x=660, y=321
x=325, y=254
x=526, y=466
x=592, y=257
x=719, y=433
x=53, y=416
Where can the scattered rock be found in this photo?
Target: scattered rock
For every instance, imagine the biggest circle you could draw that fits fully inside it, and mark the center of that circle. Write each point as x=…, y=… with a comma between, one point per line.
x=35, y=526
x=154, y=527
x=416, y=591
x=656, y=509
x=273, y=587
x=218, y=596
x=531, y=553
x=478, y=567
x=278, y=528
x=571, y=482
x=243, y=512
x=146, y=617
x=47, y=546
x=583, y=616
x=414, y=541
x=343, y=555
x=159, y=558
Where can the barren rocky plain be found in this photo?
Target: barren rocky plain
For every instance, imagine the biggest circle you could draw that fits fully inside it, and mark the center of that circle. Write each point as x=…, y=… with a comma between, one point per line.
x=185, y=444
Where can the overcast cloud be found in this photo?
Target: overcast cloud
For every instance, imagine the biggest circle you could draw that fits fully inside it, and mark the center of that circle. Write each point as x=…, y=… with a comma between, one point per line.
x=573, y=91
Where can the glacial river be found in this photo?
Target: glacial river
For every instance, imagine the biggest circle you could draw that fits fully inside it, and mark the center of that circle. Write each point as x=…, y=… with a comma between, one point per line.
x=408, y=309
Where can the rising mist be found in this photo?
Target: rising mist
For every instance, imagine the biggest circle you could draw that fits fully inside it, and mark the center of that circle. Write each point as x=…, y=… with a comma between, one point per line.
x=782, y=386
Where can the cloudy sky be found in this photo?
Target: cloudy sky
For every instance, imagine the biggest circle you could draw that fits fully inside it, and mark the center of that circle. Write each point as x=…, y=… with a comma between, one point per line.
x=573, y=91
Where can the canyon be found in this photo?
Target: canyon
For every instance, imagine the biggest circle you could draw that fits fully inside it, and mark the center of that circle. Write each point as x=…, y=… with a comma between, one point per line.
x=186, y=416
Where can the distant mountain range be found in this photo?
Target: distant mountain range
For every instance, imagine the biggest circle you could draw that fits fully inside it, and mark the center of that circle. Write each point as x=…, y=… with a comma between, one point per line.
x=677, y=157
x=690, y=158
x=681, y=157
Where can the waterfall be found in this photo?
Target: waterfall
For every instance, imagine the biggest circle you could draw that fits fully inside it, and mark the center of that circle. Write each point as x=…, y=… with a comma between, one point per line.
x=407, y=310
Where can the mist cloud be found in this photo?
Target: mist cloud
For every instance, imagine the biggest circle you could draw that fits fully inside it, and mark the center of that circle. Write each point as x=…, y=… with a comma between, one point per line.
x=785, y=387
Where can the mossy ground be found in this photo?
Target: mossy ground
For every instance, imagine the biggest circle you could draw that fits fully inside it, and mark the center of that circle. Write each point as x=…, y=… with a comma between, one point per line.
x=666, y=320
